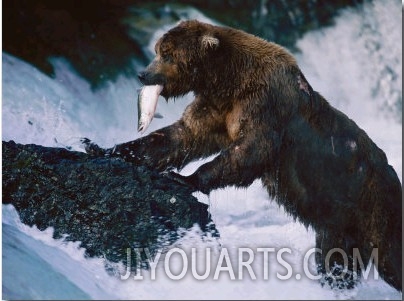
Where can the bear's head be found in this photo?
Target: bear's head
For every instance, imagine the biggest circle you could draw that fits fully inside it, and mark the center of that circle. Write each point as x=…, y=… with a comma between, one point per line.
x=181, y=57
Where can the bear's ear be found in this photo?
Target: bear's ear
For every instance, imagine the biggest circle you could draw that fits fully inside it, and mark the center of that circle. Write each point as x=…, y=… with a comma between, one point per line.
x=209, y=42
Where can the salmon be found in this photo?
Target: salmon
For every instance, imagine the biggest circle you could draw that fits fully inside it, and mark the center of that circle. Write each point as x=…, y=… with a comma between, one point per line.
x=146, y=105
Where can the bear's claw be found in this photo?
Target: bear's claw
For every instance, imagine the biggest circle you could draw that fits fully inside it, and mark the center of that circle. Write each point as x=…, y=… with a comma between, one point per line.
x=91, y=148
x=183, y=180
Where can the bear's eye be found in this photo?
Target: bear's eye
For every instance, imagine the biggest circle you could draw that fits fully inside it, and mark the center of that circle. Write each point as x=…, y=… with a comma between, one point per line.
x=167, y=58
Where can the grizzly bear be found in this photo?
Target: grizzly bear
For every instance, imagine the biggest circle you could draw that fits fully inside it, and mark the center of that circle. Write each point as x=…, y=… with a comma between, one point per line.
x=256, y=110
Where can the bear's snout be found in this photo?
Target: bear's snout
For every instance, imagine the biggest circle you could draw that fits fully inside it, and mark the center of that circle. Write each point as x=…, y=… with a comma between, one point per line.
x=142, y=76
x=150, y=78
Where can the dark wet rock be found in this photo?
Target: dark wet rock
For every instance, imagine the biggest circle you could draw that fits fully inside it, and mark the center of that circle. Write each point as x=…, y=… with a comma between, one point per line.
x=105, y=203
x=88, y=34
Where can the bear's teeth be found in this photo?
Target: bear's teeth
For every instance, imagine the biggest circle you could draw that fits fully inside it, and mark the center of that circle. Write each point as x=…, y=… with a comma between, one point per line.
x=146, y=105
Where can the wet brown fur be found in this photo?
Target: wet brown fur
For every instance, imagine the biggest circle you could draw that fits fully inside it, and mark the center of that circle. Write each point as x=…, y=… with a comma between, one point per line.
x=255, y=108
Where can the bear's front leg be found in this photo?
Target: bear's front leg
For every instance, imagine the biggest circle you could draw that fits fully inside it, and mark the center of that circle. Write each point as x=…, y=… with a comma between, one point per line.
x=165, y=148
x=239, y=165
x=170, y=147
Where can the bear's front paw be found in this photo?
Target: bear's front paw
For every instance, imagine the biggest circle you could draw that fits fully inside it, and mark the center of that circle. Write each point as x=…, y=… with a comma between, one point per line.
x=92, y=149
x=187, y=181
